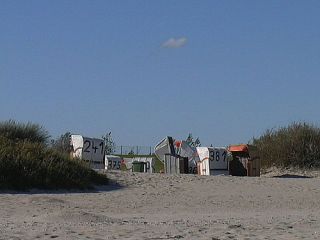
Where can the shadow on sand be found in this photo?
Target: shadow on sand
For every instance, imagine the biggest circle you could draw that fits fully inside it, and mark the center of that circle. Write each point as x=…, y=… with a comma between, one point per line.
x=111, y=186
x=291, y=176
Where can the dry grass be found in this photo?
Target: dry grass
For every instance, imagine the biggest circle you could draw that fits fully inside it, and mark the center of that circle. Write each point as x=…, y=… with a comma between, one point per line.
x=297, y=145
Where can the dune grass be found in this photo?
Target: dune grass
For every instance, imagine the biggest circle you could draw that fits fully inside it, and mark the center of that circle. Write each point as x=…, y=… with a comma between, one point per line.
x=297, y=145
x=26, y=161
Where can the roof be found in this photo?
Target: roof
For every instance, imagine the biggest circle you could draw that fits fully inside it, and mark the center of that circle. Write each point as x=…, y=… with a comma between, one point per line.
x=238, y=148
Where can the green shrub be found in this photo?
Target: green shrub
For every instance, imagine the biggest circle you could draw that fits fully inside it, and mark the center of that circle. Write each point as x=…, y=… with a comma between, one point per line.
x=296, y=145
x=27, y=162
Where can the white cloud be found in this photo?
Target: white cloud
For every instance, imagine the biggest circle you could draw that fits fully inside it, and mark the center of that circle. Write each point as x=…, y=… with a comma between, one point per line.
x=175, y=42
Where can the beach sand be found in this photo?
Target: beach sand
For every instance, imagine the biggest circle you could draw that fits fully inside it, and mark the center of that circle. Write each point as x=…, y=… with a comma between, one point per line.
x=158, y=206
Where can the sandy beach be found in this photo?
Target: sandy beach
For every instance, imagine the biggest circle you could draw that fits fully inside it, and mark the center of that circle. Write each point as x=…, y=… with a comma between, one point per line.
x=158, y=206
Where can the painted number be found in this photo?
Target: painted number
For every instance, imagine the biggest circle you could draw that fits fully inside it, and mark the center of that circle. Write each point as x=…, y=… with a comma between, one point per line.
x=224, y=155
x=94, y=148
x=87, y=144
x=215, y=156
x=86, y=148
x=114, y=164
x=211, y=156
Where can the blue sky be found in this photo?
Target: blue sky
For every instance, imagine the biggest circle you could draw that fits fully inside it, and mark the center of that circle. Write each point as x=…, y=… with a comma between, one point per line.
x=222, y=70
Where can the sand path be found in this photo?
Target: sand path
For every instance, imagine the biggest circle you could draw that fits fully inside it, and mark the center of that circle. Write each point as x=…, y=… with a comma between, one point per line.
x=169, y=207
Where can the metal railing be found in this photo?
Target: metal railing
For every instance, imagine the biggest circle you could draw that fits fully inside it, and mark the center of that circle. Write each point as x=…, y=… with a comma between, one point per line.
x=133, y=150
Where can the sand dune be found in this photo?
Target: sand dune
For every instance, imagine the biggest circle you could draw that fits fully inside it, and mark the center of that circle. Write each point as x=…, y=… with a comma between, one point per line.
x=158, y=206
